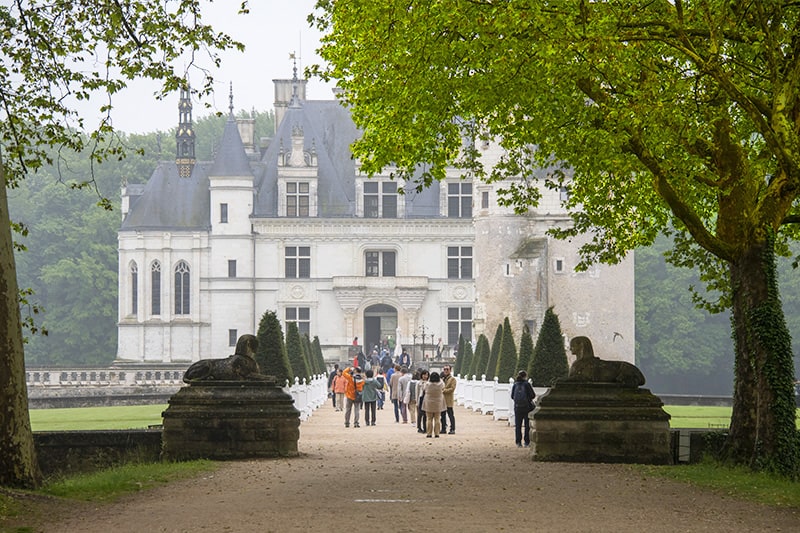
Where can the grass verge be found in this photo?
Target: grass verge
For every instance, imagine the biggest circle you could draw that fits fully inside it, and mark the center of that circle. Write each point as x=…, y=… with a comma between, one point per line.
x=736, y=482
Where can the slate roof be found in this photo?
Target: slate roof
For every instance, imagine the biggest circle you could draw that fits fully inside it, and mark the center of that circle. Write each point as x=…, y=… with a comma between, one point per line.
x=172, y=203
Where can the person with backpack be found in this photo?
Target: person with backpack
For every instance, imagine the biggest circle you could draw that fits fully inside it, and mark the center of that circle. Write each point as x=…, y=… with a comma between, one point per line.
x=353, y=391
x=370, y=395
x=523, y=394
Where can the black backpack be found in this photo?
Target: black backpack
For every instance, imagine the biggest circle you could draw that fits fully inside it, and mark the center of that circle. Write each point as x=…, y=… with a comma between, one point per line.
x=521, y=394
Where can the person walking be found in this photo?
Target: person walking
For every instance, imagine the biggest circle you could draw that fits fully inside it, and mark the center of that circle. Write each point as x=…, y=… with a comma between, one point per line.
x=411, y=397
x=331, y=377
x=370, y=396
x=394, y=389
x=354, y=387
x=434, y=404
x=381, y=379
x=450, y=383
x=424, y=375
x=523, y=394
x=339, y=388
x=402, y=392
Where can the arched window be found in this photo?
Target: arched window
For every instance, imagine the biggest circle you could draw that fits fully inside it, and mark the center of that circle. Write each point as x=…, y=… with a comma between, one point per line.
x=134, y=288
x=182, y=288
x=155, y=288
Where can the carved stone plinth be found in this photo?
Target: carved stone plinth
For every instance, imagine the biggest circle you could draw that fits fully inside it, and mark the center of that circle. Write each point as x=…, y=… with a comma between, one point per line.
x=601, y=423
x=230, y=420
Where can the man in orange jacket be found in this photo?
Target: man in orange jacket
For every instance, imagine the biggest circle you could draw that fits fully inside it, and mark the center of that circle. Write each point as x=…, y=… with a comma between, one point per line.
x=354, y=384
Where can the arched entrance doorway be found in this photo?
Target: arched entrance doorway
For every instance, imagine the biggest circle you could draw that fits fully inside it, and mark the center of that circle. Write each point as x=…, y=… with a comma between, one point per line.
x=380, y=323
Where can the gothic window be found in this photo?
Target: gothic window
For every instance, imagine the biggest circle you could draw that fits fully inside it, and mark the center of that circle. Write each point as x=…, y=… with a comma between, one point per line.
x=297, y=199
x=300, y=316
x=459, y=322
x=223, y=213
x=459, y=200
x=155, y=288
x=459, y=262
x=380, y=264
x=231, y=268
x=182, y=288
x=380, y=199
x=134, y=288
x=298, y=262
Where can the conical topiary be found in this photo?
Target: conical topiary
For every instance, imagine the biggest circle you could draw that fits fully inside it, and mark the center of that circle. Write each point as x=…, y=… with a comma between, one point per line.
x=507, y=359
x=459, y=356
x=311, y=363
x=318, y=357
x=481, y=357
x=494, y=354
x=294, y=349
x=271, y=353
x=525, y=349
x=468, y=356
x=549, y=361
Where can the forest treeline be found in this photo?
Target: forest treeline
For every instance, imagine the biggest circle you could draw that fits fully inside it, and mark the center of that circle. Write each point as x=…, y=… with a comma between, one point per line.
x=70, y=262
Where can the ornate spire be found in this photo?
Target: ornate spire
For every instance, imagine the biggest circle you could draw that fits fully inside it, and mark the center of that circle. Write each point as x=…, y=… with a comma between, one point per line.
x=184, y=137
x=230, y=100
x=295, y=101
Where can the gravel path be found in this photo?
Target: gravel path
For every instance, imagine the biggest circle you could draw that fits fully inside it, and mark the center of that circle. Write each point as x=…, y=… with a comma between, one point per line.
x=389, y=478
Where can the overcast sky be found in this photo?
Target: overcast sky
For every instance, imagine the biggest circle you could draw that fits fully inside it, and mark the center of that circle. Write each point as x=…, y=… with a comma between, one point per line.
x=271, y=31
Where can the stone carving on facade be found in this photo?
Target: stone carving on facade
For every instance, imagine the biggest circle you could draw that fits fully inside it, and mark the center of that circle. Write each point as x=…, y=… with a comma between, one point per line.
x=591, y=369
x=241, y=366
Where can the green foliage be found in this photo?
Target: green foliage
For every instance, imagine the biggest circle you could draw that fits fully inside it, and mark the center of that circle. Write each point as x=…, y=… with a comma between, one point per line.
x=507, y=359
x=467, y=361
x=481, y=358
x=294, y=349
x=271, y=355
x=308, y=356
x=110, y=484
x=549, y=361
x=318, y=356
x=681, y=349
x=494, y=353
x=459, y=356
x=525, y=349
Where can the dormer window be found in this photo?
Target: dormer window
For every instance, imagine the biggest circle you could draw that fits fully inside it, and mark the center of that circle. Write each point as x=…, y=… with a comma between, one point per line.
x=297, y=199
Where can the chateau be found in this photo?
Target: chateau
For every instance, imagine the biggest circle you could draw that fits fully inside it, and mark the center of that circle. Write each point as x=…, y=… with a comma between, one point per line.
x=207, y=247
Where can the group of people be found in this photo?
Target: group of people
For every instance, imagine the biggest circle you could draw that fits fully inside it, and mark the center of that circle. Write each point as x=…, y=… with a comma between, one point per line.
x=421, y=397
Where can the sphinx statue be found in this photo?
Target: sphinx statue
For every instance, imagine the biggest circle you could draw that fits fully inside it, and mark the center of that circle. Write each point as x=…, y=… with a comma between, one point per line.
x=590, y=369
x=241, y=366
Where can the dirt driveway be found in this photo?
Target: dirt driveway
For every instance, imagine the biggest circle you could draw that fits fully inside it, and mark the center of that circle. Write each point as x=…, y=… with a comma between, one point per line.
x=389, y=478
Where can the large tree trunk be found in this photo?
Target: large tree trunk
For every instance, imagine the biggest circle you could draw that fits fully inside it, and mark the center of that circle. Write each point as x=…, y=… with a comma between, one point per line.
x=762, y=432
x=18, y=464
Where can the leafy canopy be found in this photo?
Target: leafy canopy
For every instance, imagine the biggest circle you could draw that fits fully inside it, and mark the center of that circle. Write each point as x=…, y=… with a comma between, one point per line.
x=656, y=114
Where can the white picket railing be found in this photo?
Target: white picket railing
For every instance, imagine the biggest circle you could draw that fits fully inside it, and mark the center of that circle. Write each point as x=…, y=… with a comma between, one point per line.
x=490, y=396
x=308, y=395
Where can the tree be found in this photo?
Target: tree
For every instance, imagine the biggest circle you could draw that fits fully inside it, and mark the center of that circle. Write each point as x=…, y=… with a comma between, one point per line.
x=51, y=61
x=525, y=349
x=494, y=353
x=271, y=353
x=467, y=361
x=481, y=358
x=294, y=350
x=308, y=356
x=318, y=357
x=655, y=115
x=459, y=355
x=507, y=360
x=549, y=361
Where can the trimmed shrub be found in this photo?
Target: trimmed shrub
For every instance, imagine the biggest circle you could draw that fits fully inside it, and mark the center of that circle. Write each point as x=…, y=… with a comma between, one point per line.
x=271, y=354
x=549, y=360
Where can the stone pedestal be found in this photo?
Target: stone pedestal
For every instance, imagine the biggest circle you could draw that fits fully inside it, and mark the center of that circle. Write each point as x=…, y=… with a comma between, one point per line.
x=230, y=420
x=600, y=423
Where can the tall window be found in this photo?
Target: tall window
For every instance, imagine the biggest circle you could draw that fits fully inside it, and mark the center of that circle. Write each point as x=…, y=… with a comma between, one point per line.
x=459, y=322
x=232, y=337
x=459, y=200
x=485, y=200
x=380, y=199
x=155, y=288
x=231, y=268
x=182, y=288
x=298, y=261
x=223, y=213
x=297, y=199
x=134, y=288
x=380, y=264
x=300, y=316
x=459, y=262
